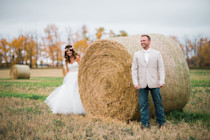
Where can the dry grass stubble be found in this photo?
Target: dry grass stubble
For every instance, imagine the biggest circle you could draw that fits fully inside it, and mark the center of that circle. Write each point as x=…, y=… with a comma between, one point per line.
x=32, y=119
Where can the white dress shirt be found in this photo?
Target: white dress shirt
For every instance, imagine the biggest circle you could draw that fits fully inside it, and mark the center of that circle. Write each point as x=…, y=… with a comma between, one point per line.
x=146, y=54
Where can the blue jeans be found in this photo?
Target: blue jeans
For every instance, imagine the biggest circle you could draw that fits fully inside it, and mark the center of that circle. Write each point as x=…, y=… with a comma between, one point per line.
x=144, y=105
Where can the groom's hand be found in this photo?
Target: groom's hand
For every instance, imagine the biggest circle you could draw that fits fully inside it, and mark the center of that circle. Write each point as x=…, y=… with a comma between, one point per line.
x=161, y=85
x=136, y=86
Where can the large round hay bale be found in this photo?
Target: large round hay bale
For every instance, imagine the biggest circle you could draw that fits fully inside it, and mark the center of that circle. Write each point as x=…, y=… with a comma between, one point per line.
x=105, y=82
x=20, y=72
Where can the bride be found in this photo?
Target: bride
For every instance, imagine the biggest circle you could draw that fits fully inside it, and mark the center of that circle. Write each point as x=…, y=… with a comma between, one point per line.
x=66, y=99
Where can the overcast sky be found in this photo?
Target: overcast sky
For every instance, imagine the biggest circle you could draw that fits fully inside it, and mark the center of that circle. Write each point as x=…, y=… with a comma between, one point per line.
x=168, y=17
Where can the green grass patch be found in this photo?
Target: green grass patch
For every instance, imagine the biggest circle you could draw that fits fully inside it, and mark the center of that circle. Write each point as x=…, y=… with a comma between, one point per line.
x=40, y=85
x=200, y=72
x=200, y=83
x=41, y=82
x=189, y=117
x=21, y=95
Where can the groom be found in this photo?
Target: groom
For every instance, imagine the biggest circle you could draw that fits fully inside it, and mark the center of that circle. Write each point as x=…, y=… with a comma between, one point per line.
x=146, y=66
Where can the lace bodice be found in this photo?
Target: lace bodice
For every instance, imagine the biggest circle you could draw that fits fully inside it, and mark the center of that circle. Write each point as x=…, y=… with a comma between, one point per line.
x=73, y=67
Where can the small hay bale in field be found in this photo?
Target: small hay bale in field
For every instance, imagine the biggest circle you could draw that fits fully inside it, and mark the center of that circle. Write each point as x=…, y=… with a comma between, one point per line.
x=105, y=83
x=20, y=72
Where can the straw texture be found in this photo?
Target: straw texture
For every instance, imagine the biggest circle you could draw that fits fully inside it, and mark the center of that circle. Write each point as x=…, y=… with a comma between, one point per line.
x=105, y=83
x=20, y=72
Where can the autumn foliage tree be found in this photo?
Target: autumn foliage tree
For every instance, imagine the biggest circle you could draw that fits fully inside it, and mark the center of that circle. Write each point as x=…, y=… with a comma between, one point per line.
x=52, y=44
x=24, y=49
x=4, y=51
x=99, y=32
x=122, y=33
x=34, y=50
x=196, y=51
x=80, y=46
x=203, y=51
x=20, y=50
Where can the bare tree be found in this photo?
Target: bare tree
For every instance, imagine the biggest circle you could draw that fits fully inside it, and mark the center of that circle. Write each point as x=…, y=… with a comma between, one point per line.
x=70, y=39
x=199, y=52
x=37, y=49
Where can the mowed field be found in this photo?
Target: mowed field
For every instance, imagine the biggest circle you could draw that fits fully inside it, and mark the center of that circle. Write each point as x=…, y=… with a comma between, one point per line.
x=24, y=115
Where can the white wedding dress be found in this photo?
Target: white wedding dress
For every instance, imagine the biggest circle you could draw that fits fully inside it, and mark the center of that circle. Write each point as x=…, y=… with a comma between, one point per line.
x=66, y=99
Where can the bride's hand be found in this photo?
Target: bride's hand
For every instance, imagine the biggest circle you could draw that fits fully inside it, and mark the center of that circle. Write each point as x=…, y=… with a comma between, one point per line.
x=78, y=58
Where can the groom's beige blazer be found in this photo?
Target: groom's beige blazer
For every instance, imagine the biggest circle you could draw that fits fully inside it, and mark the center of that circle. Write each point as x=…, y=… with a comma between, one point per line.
x=149, y=74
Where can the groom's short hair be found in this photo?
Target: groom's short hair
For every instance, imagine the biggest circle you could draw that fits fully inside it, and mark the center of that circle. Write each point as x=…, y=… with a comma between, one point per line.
x=146, y=36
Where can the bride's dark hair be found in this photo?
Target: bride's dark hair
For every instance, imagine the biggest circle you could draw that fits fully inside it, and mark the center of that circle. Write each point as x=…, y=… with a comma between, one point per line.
x=74, y=54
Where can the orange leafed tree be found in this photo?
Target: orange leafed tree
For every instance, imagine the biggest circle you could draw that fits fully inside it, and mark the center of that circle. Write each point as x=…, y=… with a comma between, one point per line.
x=30, y=51
x=206, y=53
x=123, y=33
x=17, y=45
x=99, y=32
x=52, y=44
x=196, y=51
x=80, y=46
x=23, y=50
x=203, y=50
x=4, y=50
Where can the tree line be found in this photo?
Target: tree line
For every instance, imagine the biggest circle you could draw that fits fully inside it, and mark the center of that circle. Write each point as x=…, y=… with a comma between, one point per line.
x=196, y=51
x=39, y=51
x=35, y=50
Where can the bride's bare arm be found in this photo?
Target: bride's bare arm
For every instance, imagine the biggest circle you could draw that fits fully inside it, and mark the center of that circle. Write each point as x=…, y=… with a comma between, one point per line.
x=78, y=58
x=67, y=69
